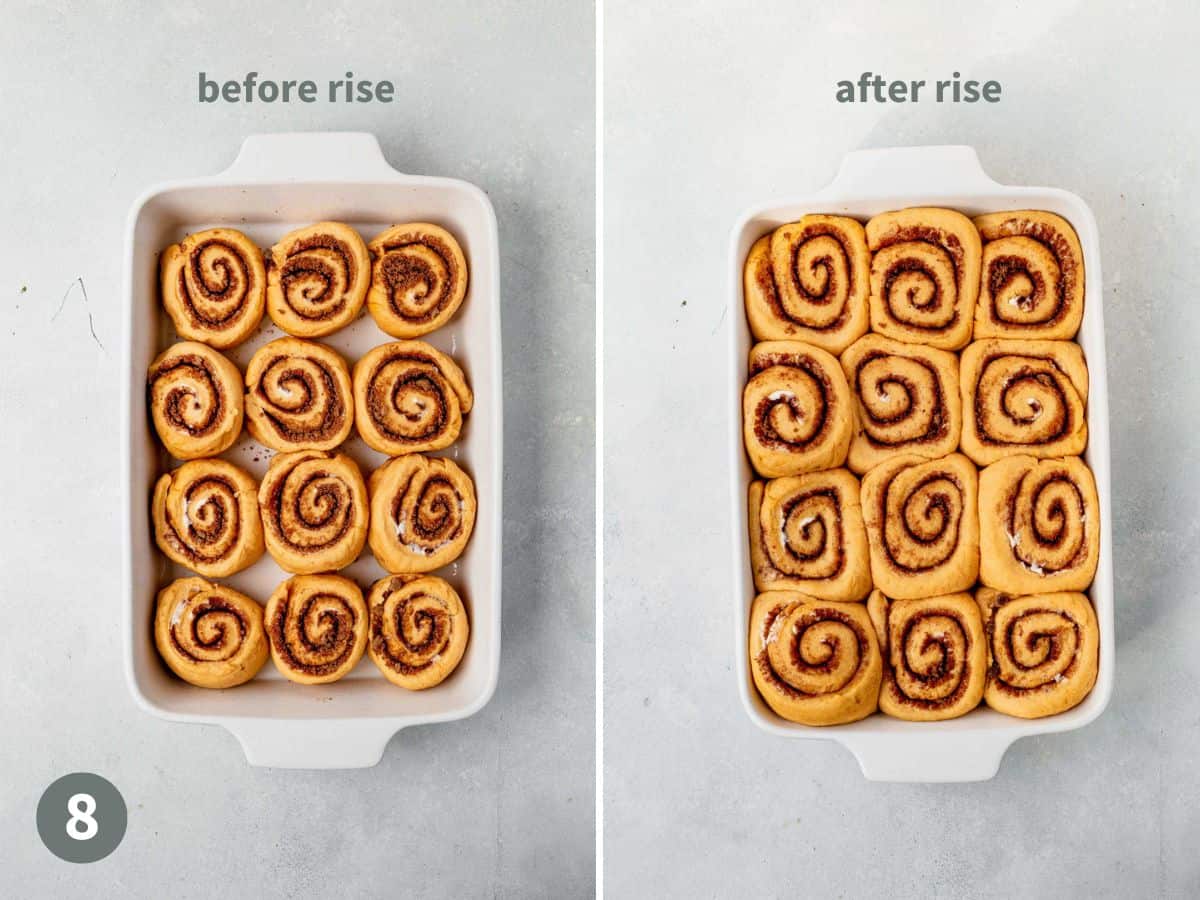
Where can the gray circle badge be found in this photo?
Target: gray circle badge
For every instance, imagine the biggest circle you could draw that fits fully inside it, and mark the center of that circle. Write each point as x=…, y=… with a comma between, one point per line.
x=82, y=817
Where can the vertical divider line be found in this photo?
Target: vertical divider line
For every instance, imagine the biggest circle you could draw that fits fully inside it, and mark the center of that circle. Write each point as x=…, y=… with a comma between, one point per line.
x=599, y=463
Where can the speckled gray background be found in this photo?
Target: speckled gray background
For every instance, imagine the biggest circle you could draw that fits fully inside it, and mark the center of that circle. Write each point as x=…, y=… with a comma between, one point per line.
x=92, y=110
x=722, y=106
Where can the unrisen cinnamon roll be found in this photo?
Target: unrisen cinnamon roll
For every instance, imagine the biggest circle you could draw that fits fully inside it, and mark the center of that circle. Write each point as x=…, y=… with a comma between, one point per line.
x=298, y=396
x=907, y=400
x=418, y=279
x=934, y=656
x=807, y=281
x=1039, y=525
x=317, y=279
x=806, y=533
x=317, y=627
x=195, y=399
x=1023, y=397
x=813, y=661
x=422, y=513
x=1032, y=282
x=923, y=525
x=314, y=511
x=409, y=398
x=1044, y=651
x=796, y=413
x=209, y=635
x=214, y=286
x=419, y=630
x=924, y=276
x=206, y=517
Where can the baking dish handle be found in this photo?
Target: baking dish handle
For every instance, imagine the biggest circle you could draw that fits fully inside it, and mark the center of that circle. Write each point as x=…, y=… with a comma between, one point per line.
x=929, y=758
x=949, y=169
x=333, y=155
x=312, y=744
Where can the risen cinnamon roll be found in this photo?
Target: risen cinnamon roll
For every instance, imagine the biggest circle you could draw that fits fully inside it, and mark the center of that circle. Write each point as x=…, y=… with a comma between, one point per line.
x=298, y=396
x=214, y=286
x=317, y=628
x=1043, y=650
x=209, y=635
x=814, y=661
x=924, y=276
x=1023, y=397
x=206, y=517
x=934, y=656
x=1039, y=525
x=195, y=400
x=1032, y=282
x=409, y=398
x=806, y=533
x=418, y=279
x=807, y=281
x=317, y=279
x=796, y=413
x=419, y=630
x=422, y=513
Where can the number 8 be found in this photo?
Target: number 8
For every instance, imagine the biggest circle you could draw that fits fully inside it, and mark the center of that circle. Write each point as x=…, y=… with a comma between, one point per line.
x=81, y=807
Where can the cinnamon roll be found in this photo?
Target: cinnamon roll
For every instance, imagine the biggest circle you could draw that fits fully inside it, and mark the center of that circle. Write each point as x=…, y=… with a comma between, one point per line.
x=317, y=627
x=314, y=511
x=317, y=279
x=1023, y=397
x=408, y=398
x=422, y=513
x=209, y=635
x=1039, y=525
x=214, y=286
x=924, y=276
x=906, y=399
x=813, y=661
x=195, y=400
x=298, y=396
x=419, y=630
x=206, y=517
x=418, y=279
x=1043, y=651
x=796, y=413
x=934, y=656
x=922, y=523
x=807, y=281
x=806, y=533
x=1032, y=282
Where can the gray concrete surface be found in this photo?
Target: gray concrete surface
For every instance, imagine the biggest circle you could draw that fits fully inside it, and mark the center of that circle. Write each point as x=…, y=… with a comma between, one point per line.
x=725, y=105
x=94, y=107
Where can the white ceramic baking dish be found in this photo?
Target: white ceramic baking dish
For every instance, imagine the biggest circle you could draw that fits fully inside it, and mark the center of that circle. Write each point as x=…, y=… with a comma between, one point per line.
x=279, y=182
x=871, y=182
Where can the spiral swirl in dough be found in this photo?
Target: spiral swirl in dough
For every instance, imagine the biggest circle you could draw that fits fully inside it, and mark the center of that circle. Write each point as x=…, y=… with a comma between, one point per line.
x=906, y=399
x=209, y=635
x=206, y=517
x=815, y=662
x=934, y=656
x=796, y=412
x=419, y=630
x=317, y=627
x=1043, y=651
x=806, y=533
x=924, y=276
x=807, y=281
x=195, y=399
x=298, y=396
x=317, y=279
x=1039, y=525
x=1023, y=397
x=422, y=513
x=418, y=279
x=314, y=511
x=214, y=286
x=923, y=525
x=409, y=398
x=1032, y=283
